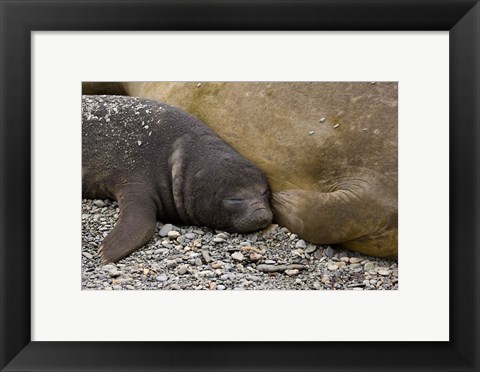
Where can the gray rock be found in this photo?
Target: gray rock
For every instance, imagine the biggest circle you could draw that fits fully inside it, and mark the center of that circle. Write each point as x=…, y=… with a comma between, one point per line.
x=182, y=269
x=172, y=264
x=181, y=239
x=311, y=248
x=255, y=278
x=161, y=278
x=301, y=244
x=161, y=251
x=190, y=236
x=165, y=229
x=108, y=267
x=227, y=277
x=100, y=203
x=173, y=234
x=238, y=256
x=254, y=256
x=206, y=274
x=114, y=273
x=332, y=267
x=269, y=230
x=329, y=252
x=218, y=240
x=198, y=262
x=355, y=260
x=355, y=285
x=206, y=256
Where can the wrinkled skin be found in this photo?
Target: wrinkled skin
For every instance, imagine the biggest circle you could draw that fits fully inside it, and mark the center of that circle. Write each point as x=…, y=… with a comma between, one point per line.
x=337, y=185
x=162, y=163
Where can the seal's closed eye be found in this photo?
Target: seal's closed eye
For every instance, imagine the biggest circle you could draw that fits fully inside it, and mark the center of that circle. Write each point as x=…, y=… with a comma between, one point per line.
x=233, y=201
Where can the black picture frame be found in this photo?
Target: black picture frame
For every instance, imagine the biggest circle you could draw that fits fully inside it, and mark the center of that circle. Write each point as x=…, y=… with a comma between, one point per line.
x=18, y=18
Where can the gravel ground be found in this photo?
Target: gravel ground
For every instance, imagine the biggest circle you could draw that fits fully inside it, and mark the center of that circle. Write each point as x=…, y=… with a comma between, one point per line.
x=190, y=257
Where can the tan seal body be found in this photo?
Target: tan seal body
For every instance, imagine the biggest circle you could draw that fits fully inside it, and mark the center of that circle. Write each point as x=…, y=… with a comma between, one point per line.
x=329, y=151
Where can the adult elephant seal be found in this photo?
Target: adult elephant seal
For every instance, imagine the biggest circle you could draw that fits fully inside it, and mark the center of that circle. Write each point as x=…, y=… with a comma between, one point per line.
x=160, y=162
x=329, y=151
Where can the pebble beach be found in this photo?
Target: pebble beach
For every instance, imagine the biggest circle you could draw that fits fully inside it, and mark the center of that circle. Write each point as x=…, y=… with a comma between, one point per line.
x=198, y=258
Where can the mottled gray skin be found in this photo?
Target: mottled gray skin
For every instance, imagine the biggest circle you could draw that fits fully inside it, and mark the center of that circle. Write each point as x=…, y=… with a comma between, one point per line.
x=161, y=163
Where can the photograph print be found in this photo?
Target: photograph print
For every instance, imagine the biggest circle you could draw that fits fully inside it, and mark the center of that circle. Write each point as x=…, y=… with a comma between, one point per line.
x=239, y=186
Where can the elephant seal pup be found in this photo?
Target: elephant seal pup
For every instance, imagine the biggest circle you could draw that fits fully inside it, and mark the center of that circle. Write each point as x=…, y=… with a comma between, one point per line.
x=161, y=163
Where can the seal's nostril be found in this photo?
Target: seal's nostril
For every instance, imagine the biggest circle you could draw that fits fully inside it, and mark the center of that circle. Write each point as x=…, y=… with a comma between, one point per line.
x=262, y=215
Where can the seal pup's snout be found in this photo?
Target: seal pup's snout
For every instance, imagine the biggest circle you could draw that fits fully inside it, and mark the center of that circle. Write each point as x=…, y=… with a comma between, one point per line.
x=263, y=218
x=250, y=216
x=261, y=214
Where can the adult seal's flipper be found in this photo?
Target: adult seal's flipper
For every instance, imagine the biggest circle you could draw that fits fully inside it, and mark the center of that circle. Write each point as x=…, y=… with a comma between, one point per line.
x=357, y=213
x=135, y=226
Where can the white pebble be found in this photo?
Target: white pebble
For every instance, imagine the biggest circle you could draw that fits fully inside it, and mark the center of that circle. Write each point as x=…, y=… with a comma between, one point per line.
x=301, y=244
x=173, y=234
x=292, y=272
x=238, y=256
x=87, y=255
x=332, y=267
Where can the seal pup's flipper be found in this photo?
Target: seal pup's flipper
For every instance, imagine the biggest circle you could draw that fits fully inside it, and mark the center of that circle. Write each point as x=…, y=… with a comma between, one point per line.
x=342, y=217
x=135, y=225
